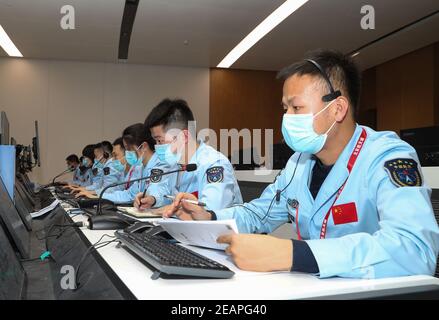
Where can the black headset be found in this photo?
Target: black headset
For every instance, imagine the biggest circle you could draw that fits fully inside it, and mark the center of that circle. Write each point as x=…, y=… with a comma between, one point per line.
x=333, y=94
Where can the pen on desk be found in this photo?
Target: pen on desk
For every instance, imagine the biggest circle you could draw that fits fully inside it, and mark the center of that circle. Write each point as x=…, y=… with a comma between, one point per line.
x=198, y=203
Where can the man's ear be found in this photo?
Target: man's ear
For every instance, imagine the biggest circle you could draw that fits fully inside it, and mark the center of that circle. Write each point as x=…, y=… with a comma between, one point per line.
x=342, y=108
x=185, y=135
x=144, y=146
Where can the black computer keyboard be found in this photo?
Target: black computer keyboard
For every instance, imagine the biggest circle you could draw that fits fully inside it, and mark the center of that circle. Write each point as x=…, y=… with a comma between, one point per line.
x=170, y=258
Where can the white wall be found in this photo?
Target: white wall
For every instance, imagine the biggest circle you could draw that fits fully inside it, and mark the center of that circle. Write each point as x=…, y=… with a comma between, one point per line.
x=77, y=103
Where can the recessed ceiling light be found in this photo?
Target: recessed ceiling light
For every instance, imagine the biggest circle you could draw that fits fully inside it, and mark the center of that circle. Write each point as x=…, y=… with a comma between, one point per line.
x=276, y=17
x=7, y=44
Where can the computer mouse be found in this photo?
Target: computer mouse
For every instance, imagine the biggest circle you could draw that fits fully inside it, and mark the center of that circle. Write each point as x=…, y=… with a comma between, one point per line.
x=107, y=222
x=158, y=231
x=139, y=227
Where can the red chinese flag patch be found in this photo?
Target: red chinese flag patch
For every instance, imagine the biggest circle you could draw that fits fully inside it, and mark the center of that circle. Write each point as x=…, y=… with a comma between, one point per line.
x=344, y=213
x=195, y=193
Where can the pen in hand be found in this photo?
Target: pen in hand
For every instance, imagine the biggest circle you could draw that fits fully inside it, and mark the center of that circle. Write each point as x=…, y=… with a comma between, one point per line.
x=146, y=188
x=198, y=203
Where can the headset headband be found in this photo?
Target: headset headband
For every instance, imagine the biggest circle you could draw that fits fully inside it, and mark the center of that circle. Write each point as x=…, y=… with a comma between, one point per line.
x=333, y=94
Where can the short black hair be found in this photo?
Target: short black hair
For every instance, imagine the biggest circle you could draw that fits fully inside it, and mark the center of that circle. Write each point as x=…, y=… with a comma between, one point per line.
x=73, y=158
x=171, y=114
x=119, y=142
x=137, y=134
x=341, y=69
x=88, y=151
x=107, y=146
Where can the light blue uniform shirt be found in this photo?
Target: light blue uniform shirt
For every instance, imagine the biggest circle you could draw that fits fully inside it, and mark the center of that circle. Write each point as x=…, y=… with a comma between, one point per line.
x=395, y=234
x=126, y=196
x=77, y=176
x=84, y=179
x=96, y=179
x=214, y=181
x=110, y=176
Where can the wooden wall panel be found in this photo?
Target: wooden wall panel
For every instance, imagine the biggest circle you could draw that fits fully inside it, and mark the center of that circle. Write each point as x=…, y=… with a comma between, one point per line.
x=245, y=99
x=367, y=108
x=405, y=91
x=436, y=84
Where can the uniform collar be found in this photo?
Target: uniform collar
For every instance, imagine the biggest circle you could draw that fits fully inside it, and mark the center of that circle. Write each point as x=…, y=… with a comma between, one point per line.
x=194, y=158
x=338, y=174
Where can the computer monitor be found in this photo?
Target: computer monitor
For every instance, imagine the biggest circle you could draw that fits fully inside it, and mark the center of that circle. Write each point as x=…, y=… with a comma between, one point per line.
x=14, y=225
x=7, y=168
x=4, y=128
x=12, y=275
x=36, y=145
x=25, y=196
x=245, y=159
x=426, y=143
x=22, y=209
x=251, y=190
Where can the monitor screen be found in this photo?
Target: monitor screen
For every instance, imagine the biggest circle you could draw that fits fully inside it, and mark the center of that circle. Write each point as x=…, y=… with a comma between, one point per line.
x=36, y=145
x=7, y=168
x=13, y=222
x=12, y=275
x=425, y=142
x=4, y=128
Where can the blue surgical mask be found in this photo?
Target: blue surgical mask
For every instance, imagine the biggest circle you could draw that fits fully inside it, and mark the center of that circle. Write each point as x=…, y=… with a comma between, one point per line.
x=132, y=159
x=298, y=132
x=165, y=154
x=98, y=164
x=118, y=166
x=85, y=162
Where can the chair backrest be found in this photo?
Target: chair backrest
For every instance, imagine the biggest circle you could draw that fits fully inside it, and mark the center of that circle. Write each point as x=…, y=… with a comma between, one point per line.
x=435, y=203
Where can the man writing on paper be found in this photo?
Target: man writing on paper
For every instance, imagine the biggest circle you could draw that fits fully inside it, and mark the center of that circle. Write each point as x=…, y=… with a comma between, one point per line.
x=356, y=197
x=213, y=182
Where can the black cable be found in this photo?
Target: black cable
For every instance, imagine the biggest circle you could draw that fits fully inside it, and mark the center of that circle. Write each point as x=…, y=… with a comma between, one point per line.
x=279, y=193
x=48, y=252
x=54, y=225
x=97, y=245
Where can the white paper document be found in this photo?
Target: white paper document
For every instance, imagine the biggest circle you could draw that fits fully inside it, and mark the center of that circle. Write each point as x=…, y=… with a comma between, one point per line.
x=45, y=210
x=199, y=233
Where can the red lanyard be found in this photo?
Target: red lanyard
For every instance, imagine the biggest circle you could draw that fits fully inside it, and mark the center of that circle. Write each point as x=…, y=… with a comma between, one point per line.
x=127, y=186
x=351, y=163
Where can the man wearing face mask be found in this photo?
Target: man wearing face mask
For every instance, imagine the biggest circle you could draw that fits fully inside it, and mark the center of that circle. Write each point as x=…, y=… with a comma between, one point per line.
x=85, y=168
x=140, y=157
x=356, y=197
x=114, y=170
x=103, y=173
x=73, y=163
x=120, y=164
x=213, y=183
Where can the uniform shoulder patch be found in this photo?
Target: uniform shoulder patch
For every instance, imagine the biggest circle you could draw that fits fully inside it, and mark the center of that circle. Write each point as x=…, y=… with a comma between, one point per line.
x=106, y=171
x=156, y=175
x=95, y=171
x=403, y=172
x=215, y=174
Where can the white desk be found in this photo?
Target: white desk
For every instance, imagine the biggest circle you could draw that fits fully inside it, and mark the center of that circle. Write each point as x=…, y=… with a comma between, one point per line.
x=244, y=285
